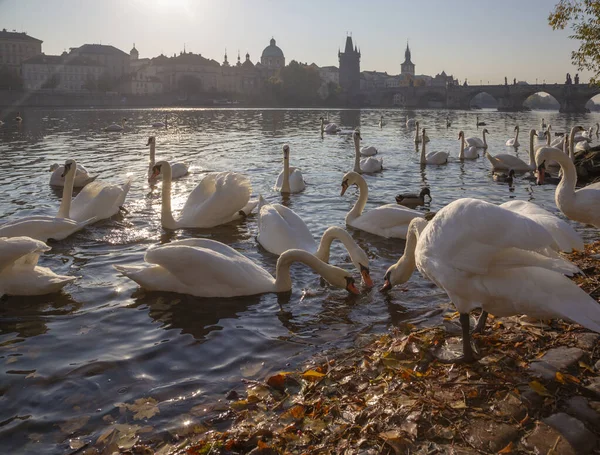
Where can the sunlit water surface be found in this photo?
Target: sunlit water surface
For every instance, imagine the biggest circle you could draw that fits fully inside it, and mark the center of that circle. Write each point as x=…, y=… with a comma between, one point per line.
x=68, y=359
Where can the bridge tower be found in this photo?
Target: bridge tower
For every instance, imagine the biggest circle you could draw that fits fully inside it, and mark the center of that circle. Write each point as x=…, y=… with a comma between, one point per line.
x=407, y=67
x=350, y=68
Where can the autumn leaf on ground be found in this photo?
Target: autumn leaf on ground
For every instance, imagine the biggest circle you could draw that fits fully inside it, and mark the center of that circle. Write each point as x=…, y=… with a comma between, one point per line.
x=143, y=408
x=539, y=389
x=312, y=375
x=508, y=448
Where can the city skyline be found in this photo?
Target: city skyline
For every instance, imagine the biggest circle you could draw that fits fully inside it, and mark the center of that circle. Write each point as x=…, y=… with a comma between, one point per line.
x=517, y=43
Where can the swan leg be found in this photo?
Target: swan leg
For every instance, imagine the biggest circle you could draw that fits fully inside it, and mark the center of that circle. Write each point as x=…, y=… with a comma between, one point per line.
x=124, y=209
x=480, y=326
x=468, y=355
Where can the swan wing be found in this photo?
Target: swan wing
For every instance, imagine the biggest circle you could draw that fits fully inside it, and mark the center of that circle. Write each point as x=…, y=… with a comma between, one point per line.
x=475, y=142
x=211, y=270
x=99, y=199
x=371, y=164
x=564, y=235
x=216, y=200
x=42, y=228
x=390, y=220
x=505, y=161
x=281, y=229
x=296, y=181
x=587, y=201
x=179, y=170
x=436, y=158
x=23, y=251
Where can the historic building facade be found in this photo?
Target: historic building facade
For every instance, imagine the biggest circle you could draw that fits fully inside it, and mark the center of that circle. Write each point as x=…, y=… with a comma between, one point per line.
x=66, y=73
x=408, y=67
x=15, y=48
x=115, y=62
x=349, y=73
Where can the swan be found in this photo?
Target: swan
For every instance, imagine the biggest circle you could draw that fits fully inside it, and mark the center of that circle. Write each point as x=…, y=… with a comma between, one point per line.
x=389, y=220
x=178, y=169
x=18, y=118
x=412, y=199
x=485, y=256
x=290, y=179
x=480, y=123
x=82, y=177
x=219, y=198
x=207, y=268
x=448, y=123
x=543, y=124
x=367, y=165
x=432, y=157
x=381, y=122
x=507, y=178
x=42, y=227
x=514, y=141
x=99, y=200
x=368, y=151
x=583, y=135
x=578, y=205
x=113, y=127
x=161, y=124
x=504, y=161
x=417, y=137
x=470, y=153
x=410, y=122
x=331, y=128
x=322, y=126
x=281, y=229
x=582, y=146
x=19, y=272
x=478, y=142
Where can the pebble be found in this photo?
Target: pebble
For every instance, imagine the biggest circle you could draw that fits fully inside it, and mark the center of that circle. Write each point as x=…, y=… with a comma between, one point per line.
x=574, y=431
x=557, y=359
x=579, y=407
x=490, y=436
x=544, y=438
x=587, y=341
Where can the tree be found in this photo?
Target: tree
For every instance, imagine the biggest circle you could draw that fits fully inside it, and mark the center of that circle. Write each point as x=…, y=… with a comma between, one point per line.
x=300, y=84
x=584, y=18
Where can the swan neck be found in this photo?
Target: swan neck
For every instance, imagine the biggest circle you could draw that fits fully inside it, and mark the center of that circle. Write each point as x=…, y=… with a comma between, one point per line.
x=65, y=204
x=531, y=150
x=285, y=185
x=331, y=234
x=407, y=264
x=283, y=279
x=517, y=135
x=359, y=206
x=462, y=148
x=484, y=140
x=152, y=154
x=423, y=160
x=357, y=157
x=572, y=144
x=166, y=216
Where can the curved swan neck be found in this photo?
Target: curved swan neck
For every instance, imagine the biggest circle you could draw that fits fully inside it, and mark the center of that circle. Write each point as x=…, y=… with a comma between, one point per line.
x=572, y=143
x=565, y=190
x=517, y=133
x=322, y=126
x=166, y=216
x=462, y=147
x=285, y=185
x=423, y=159
x=485, y=146
x=548, y=137
x=152, y=153
x=65, y=204
x=283, y=279
x=357, y=156
x=406, y=265
x=531, y=149
x=331, y=234
x=359, y=206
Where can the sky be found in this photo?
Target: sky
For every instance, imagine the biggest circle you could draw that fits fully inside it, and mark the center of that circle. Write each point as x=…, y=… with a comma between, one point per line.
x=483, y=40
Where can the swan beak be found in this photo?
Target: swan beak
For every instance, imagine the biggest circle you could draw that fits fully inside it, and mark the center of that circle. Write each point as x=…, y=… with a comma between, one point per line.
x=155, y=172
x=67, y=167
x=351, y=287
x=344, y=188
x=540, y=176
x=386, y=286
x=366, y=277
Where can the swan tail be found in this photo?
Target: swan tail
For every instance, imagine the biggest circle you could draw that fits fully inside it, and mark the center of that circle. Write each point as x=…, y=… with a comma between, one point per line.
x=261, y=201
x=128, y=270
x=84, y=223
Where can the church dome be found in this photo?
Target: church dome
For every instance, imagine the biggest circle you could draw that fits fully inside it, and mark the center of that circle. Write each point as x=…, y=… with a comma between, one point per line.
x=272, y=51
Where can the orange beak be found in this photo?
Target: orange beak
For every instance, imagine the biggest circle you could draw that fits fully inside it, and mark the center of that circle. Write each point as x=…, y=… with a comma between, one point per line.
x=366, y=278
x=540, y=176
x=352, y=288
x=155, y=173
x=344, y=188
x=386, y=286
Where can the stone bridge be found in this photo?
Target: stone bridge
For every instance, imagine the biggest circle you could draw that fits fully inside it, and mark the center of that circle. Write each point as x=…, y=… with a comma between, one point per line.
x=572, y=97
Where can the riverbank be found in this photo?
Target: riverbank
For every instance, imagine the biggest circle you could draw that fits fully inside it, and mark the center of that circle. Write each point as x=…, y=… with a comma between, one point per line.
x=536, y=389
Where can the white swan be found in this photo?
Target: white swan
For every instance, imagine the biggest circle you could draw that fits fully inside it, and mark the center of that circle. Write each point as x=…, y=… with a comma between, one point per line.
x=367, y=165
x=432, y=157
x=470, y=153
x=505, y=162
x=281, y=229
x=410, y=123
x=99, y=200
x=331, y=128
x=368, y=151
x=381, y=122
x=113, y=127
x=514, y=141
x=417, y=136
x=565, y=237
x=178, y=169
x=19, y=272
x=582, y=146
x=82, y=177
x=487, y=257
x=206, y=268
x=44, y=228
x=478, y=142
x=390, y=220
x=290, y=179
x=161, y=124
x=219, y=198
x=581, y=205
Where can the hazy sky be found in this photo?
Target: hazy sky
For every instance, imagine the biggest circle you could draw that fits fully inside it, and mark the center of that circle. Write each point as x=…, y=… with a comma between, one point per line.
x=479, y=40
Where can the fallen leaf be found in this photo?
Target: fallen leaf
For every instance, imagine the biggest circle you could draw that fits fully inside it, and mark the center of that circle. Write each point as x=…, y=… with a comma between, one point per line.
x=586, y=366
x=144, y=408
x=539, y=389
x=277, y=381
x=312, y=375
x=74, y=424
x=559, y=377
x=508, y=448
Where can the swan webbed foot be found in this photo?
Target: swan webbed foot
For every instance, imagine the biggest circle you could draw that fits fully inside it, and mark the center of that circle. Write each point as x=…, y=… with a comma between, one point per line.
x=124, y=210
x=480, y=326
x=242, y=214
x=468, y=354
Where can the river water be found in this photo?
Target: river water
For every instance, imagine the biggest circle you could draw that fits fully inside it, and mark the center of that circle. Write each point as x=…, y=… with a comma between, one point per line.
x=68, y=360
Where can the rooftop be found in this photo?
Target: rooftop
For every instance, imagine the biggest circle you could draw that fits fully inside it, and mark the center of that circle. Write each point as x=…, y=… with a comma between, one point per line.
x=99, y=49
x=272, y=50
x=65, y=59
x=20, y=36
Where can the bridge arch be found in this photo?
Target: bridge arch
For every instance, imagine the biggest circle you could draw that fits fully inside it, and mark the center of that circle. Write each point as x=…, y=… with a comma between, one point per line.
x=482, y=99
x=542, y=100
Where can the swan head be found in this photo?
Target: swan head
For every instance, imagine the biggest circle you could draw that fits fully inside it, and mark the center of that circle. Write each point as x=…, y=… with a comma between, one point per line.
x=70, y=166
x=158, y=168
x=541, y=173
x=517, y=128
x=356, y=136
x=461, y=134
x=54, y=167
x=286, y=152
x=486, y=131
x=151, y=140
x=423, y=131
x=348, y=180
